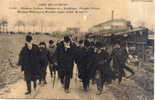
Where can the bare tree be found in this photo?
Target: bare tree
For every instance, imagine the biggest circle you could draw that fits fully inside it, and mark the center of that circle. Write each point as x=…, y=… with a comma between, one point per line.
x=51, y=25
x=19, y=24
x=33, y=23
x=42, y=24
x=4, y=25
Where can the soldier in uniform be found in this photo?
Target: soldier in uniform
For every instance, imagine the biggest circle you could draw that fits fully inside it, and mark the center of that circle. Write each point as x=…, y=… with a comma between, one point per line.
x=65, y=59
x=43, y=62
x=103, y=69
x=29, y=61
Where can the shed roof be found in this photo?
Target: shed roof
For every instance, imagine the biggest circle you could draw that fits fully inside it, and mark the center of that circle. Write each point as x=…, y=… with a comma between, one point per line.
x=118, y=32
x=109, y=21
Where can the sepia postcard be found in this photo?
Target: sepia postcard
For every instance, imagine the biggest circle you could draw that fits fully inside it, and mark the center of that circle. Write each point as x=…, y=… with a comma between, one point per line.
x=77, y=49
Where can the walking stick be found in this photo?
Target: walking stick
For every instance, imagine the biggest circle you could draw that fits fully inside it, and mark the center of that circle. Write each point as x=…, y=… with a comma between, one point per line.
x=76, y=74
x=54, y=80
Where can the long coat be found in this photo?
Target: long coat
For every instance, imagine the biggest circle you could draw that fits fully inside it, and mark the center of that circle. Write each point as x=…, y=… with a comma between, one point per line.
x=79, y=60
x=65, y=59
x=87, y=62
x=52, y=54
x=29, y=61
x=43, y=57
x=119, y=57
x=102, y=65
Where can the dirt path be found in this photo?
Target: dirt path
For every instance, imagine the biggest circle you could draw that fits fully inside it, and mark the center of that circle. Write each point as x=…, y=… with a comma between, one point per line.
x=18, y=89
x=129, y=89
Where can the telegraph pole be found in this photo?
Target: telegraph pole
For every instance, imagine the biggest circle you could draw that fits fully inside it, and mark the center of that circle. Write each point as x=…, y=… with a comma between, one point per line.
x=112, y=15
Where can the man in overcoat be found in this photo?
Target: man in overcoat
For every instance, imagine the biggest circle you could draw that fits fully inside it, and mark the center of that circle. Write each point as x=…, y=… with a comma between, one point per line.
x=102, y=67
x=79, y=57
x=118, y=62
x=86, y=65
x=29, y=61
x=65, y=59
x=52, y=58
x=43, y=61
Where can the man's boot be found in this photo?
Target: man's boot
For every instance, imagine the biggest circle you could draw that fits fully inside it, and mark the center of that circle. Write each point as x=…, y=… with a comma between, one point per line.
x=39, y=82
x=27, y=93
x=28, y=88
x=99, y=92
x=34, y=85
x=45, y=82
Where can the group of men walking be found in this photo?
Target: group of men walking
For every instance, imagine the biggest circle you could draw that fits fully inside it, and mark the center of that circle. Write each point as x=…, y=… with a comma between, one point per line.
x=92, y=59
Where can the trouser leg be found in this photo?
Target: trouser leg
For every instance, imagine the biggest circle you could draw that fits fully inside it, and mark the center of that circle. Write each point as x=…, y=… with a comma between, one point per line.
x=72, y=72
x=34, y=84
x=28, y=83
x=67, y=82
x=85, y=82
x=100, y=82
x=129, y=69
x=51, y=70
x=103, y=80
x=40, y=75
x=62, y=80
x=44, y=74
x=61, y=76
x=88, y=83
x=121, y=74
x=60, y=71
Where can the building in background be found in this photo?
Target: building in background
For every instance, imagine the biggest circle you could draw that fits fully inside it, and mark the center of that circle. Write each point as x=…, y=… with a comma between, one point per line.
x=120, y=30
x=73, y=30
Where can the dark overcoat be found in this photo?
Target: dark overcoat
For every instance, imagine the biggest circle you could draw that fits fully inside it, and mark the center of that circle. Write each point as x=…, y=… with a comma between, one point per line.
x=29, y=61
x=103, y=65
x=87, y=63
x=119, y=57
x=65, y=58
x=52, y=54
x=43, y=52
x=79, y=59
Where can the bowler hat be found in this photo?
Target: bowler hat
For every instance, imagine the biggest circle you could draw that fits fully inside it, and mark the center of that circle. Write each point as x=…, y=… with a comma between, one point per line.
x=28, y=38
x=66, y=38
